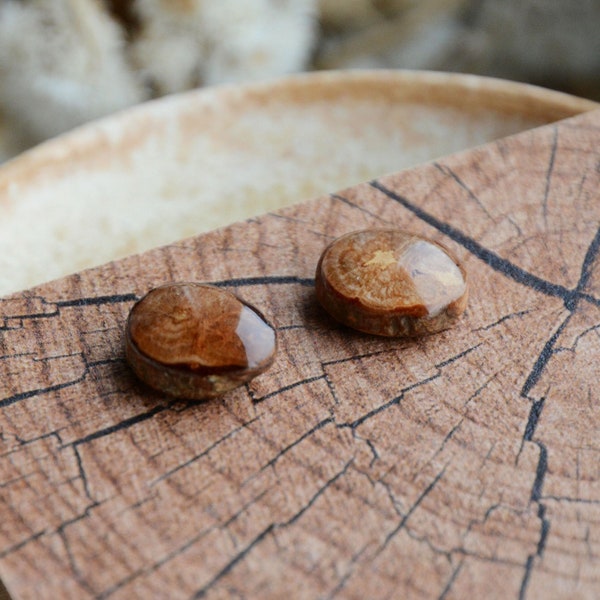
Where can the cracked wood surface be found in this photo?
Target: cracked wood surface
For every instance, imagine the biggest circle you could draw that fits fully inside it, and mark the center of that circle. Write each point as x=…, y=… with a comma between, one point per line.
x=462, y=465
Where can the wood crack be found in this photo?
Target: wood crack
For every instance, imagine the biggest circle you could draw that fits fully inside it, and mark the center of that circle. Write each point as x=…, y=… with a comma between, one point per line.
x=120, y=426
x=451, y=580
x=4, y=402
x=446, y=170
x=19, y=545
x=390, y=536
x=397, y=399
x=490, y=258
x=362, y=209
x=179, y=550
x=285, y=388
x=269, y=530
x=536, y=496
x=297, y=441
x=549, y=172
x=204, y=452
x=264, y=280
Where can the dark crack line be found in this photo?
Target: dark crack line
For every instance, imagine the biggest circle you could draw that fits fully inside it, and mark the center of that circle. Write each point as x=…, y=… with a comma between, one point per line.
x=490, y=258
x=78, y=575
x=525, y=581
x=9, y=328
x=106, y=361
x=264, y=280
x=24, y=477
x=544, y=357
x=570, y=499
x=204, y=452
x=540, y=473
x=446, y=170
x=297, y=441
x=520, y=313
x=287, y=388
x=545, y=529
x=292, y=327
x=178, y=551
x=316, y=496
x=379, y=409
x=374, y=482
x=357, y=357
x=549, y=350
x=535, y=413
x=16, y=547
x=534, y=416
x=25, y=442
x=4, y=402
x=41, y=391
x=536, y=496
x=96, y=301
x=138, y=504
x=80, y=517
x=397, y=399
x=573, y=348
x=424, y=539
x=589, y=259
x=458, y=356
x=331, y=388
x=493, y=508
x=374, y=452
x=74, y=302
x=125, y=424
x=266, y=532
x=390, y=536
x=538, y=405
x=358, y=207
x=460, y=551
x=38, y=438
x=444, y=593
x=341, y=584
x=82, y=474
x=549, y=175
x=19, y=355
x=40, y=315
x=236, y=559
x=394, y=348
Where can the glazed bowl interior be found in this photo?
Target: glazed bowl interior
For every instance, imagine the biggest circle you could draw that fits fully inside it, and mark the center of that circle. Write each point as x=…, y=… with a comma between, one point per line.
x=189, y=163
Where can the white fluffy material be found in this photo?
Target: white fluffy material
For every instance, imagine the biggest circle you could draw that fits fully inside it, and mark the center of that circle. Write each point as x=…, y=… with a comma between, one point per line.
x=61, y=65
x=65, y=62
x=183, y=44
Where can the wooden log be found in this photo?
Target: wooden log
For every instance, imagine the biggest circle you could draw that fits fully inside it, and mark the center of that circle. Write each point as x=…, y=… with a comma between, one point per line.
x=460, y=465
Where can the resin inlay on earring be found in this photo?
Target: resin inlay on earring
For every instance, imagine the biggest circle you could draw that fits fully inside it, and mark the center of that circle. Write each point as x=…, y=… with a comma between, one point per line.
x=392, y=283
x=196, y=341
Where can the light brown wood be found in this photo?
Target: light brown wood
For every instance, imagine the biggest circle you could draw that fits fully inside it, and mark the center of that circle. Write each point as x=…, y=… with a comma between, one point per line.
x=462, y=465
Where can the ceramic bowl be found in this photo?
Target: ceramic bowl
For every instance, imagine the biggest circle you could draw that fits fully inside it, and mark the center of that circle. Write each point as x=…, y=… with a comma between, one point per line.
x=188, y=163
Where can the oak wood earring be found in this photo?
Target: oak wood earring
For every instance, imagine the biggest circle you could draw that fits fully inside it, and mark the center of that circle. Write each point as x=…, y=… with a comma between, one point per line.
x=197, y=341
x=392, y=283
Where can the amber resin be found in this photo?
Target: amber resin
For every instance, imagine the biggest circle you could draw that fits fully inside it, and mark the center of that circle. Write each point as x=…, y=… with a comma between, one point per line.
x=390, y=282
x=196, y=341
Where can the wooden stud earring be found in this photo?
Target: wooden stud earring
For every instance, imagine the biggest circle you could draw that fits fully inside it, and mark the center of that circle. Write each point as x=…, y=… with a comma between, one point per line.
x=196, y=341
x=392, y=283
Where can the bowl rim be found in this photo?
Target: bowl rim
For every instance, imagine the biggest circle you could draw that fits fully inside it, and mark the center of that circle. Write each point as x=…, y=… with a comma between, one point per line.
x=411, y=86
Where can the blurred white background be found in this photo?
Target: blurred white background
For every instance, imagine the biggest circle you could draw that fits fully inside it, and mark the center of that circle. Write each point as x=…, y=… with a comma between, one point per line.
x=65, y=62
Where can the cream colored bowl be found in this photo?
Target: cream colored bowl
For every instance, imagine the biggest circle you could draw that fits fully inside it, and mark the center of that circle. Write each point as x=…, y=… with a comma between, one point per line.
x=189, y=163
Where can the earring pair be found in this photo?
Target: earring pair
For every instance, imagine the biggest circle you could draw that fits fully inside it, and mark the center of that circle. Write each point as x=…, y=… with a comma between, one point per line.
x=196, y=341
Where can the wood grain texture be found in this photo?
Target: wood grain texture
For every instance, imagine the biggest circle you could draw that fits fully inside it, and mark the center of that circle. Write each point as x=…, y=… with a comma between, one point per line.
x=462, y=465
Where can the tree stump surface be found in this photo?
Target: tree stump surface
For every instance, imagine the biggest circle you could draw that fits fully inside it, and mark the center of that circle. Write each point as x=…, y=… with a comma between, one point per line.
x=461, y=465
